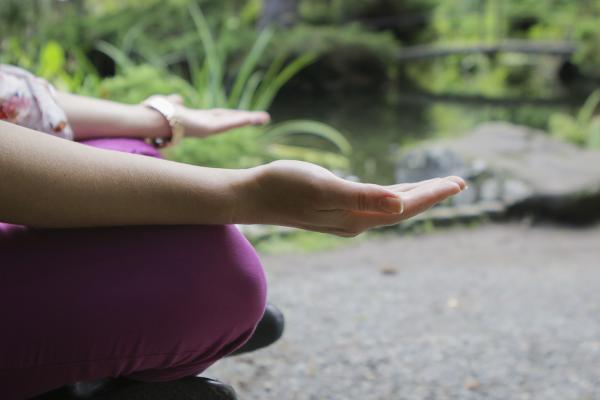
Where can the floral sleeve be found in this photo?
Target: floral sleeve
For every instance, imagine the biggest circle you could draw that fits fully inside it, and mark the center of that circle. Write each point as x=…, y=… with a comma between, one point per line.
x=29, y=101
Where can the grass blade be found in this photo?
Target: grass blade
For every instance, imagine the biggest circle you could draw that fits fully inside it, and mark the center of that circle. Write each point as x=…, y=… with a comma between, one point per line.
x=118, y=56
x=212, y=56
x=250, y=91
x=266, y=97
x=585, y=114
x=249, y=65
x=308, y=127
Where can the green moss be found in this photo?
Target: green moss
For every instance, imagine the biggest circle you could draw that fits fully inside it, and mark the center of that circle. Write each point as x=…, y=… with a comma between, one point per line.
x=303, y=242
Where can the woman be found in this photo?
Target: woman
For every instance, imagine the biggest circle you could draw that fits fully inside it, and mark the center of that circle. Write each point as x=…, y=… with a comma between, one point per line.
x=151, y=281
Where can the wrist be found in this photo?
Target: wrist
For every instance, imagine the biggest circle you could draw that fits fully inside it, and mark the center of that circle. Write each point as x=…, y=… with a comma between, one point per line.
x=170, y=112
x=246, y=196
x=157, y=125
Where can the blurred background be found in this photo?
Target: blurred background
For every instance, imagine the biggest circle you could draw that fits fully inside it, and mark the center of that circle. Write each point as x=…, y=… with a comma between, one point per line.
x=371, y=89
x=385, y=73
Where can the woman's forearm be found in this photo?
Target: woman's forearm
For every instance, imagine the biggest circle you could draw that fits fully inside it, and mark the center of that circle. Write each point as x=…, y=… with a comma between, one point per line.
x=51, y=182
x=94, y=118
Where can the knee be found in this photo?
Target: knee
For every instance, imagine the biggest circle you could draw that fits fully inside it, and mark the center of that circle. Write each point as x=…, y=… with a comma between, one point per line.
x=208, y=297
x=226, y=287
x=240, y=298
x=240, y=289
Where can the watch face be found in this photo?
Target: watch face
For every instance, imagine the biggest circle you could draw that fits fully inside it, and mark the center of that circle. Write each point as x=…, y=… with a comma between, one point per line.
x=165, y=107
x=167, y=110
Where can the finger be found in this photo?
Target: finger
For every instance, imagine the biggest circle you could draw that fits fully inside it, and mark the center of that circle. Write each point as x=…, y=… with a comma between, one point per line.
x=254, y=117
x=257, y=117
x=426, y=196
x=415, y=201
x=233, y=121
x=459, y=181
x=358, y=219
x=260, y=117
x=403, y=187
x=353, y=196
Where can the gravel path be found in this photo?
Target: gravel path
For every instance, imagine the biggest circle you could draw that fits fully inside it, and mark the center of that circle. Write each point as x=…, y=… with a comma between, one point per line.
x=494, y=312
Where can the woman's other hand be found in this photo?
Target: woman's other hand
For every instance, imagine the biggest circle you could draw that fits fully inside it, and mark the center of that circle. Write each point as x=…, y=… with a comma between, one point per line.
x=303, y=195
x=203, y=123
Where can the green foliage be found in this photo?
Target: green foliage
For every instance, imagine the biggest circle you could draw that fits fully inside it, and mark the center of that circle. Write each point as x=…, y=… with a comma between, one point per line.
x=469, y=21
x=302, y=242
x=158, y=31
x=238, y=149
x=337, y=158
x=339, y=39
x=50, y=61
x=323, y=131
x=253, y=87
x=181, y=53
x=584, y=128
x=135, y=83
x=471, y=75
x=491, y=21
x=211, y=52
x=340, y=11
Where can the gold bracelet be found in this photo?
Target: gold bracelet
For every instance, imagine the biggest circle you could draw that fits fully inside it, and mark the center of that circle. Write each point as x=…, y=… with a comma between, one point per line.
x=168, y=111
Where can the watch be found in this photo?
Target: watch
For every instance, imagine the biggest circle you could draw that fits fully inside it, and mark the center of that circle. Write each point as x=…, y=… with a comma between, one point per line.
x=168, y=111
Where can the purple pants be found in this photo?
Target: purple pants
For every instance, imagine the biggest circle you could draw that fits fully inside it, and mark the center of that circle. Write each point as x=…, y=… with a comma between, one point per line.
x=149, y=303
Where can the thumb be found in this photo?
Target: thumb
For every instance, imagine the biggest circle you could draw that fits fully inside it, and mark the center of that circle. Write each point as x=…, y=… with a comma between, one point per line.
x=368, y=197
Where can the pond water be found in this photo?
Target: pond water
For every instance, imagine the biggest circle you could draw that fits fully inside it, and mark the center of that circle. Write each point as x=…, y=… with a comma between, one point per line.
x=381, y=124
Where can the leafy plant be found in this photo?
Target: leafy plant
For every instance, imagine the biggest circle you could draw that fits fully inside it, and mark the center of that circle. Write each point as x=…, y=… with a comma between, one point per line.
x=253, y=87
x=274, y=141
x=584, y=128
x=51, y=61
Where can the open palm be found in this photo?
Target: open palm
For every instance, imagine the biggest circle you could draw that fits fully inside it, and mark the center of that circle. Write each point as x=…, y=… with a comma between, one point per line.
x=203, y=123
x=307, y=196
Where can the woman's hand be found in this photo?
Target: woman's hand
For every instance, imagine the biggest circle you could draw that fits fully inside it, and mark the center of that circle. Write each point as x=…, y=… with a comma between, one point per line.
x=203, y=123
x=303, y=195
x=96, y=118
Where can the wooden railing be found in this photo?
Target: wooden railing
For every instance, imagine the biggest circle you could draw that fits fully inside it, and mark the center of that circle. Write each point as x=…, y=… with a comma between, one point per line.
x=563, y=49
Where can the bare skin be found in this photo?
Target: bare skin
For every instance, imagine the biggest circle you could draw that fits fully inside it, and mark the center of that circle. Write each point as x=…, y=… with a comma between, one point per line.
x=95, y=118
x=55, y=183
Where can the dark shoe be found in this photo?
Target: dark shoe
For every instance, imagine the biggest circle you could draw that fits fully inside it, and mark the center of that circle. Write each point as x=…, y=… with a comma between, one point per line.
x=268, y=331
x=191, y=388
x=87, y=390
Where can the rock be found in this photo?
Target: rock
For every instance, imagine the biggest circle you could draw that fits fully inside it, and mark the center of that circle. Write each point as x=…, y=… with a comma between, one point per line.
x=472, y=383
x=389, y=270
x=525, y=170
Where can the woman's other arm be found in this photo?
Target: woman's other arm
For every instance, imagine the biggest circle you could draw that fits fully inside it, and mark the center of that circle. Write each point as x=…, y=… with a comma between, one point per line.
x=96, y=118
